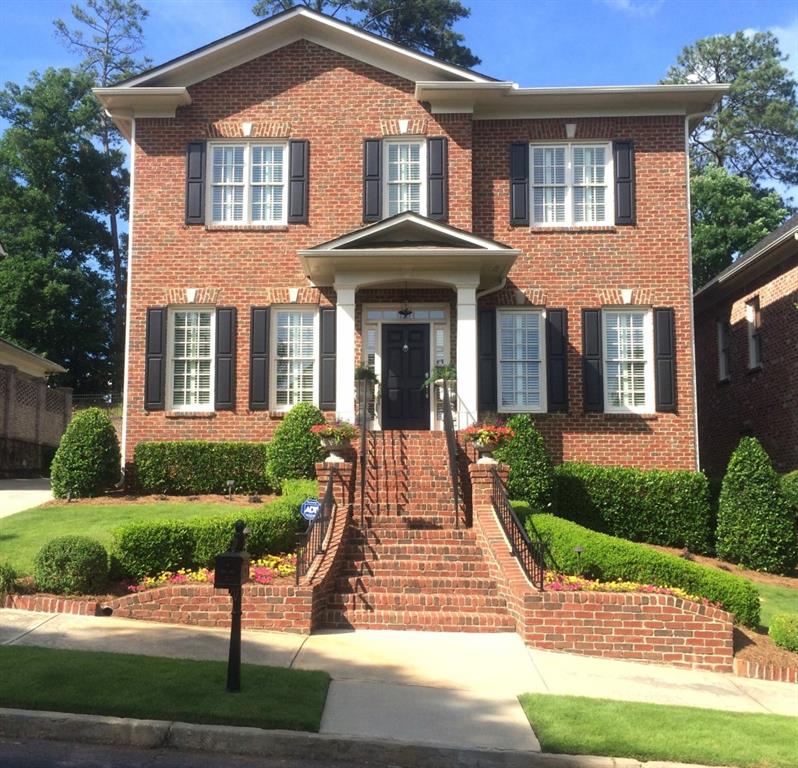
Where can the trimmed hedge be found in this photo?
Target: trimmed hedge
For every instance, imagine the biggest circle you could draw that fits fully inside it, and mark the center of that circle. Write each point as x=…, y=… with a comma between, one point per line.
x=8, y=579
x=670, y=508
x=87, y=461
x=71, y=565
x=149, y=548
x=756, y=525
x=200, y=466
x=608, y=558
x=784, y=631
x=789, y=487
x=294, y=449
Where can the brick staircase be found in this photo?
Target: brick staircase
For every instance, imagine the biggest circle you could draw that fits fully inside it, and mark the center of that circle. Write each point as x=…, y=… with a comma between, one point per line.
x=407, y=566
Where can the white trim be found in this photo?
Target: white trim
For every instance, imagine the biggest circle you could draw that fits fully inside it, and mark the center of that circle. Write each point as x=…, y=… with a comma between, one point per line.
x=649, y=406
x=210, y=406
x=543, y=405
x=126, y=379
x=753, y=321
x=689, y=216
x=273, y=359
x=421, y=142
x=722, y=332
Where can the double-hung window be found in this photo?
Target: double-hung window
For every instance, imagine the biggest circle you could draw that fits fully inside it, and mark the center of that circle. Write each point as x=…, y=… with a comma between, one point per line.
x=191, y=342
x=248, y=183
x=724, y=342
x=521, y=366
x=628, y=360
x=404, y=174
x=754, y=322
x=571, y=184
x=294, y=370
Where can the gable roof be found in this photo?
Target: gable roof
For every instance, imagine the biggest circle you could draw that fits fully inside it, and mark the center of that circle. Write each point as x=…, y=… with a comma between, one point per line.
x=27, y=361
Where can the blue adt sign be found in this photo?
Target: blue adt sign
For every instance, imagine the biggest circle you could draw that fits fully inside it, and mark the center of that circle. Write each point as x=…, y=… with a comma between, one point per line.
x=310, y=509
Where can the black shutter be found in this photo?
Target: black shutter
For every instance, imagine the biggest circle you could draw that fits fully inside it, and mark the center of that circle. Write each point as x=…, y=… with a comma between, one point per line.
x=557, y=359
x=298, y=180
x=327, y=359
x=486, y=360
x=592, y=374
x=519, y=184
x=438, y=182
x=665, y=359
x=372, y=180
x=623, y=153
x=225, y=375
x=155, y=360
x=195, y=183
x=259, y=359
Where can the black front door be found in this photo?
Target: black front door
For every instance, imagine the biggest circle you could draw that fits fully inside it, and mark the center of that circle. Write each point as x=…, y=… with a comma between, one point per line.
x=405, y=367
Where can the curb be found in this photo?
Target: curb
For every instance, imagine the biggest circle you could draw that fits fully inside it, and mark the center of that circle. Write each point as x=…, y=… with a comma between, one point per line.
x=255, y=742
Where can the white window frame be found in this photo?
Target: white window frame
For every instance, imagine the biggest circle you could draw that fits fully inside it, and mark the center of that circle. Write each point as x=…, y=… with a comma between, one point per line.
x=543, y=405
x=649, y=406
x=273, y=359
x=609, y=178
x=422, y=170
x=247, y=203
x=723, y=330
x=753, y=321
x=170, y=343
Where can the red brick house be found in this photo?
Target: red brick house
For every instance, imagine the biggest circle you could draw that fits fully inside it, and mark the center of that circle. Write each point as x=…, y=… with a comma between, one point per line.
x=307, y=197
x=747, y=353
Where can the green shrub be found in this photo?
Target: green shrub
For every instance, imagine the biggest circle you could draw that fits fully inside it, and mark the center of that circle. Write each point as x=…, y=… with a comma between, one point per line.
x=531, y=476
x=201, y=466
x=784, y=631
x=87, y=461
x=8, y=580
x=294, y=449
x=789, y=487
x=71, y=565
x=609, y=558
x=756, y=526
x=670, y=508
x=149, y=548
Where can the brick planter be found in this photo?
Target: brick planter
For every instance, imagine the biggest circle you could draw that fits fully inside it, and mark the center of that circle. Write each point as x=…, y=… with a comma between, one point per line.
x=53, y=604
x=745, y=668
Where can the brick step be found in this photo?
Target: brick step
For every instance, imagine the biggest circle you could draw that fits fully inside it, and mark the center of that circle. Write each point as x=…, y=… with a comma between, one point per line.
x=436, y=621
x=408, y=522
x=415, y=551
x=407, y=536
x=393, y=601
x=413, y=568
x=415, y=584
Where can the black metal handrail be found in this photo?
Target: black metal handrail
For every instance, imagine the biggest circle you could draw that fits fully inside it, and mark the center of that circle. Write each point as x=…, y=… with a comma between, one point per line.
x=364, y=426
x=530, y=554
x=451, y=449
x=316, y=533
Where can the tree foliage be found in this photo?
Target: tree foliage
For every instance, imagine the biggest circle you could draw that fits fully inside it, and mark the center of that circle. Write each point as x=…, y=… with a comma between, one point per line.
x=754, y=130
x=730, y=215
x=425, y=25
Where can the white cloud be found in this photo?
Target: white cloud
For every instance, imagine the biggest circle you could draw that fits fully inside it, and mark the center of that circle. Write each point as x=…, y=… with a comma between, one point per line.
x=639, y=9
x=788, y=42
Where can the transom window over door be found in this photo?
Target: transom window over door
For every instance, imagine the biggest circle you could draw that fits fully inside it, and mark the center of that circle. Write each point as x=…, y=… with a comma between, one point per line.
x=295, y=355
x=404, y=177
x=628, y=356
x=520, y=370
x=570, y=184
x=191, y=351
x=248, y=183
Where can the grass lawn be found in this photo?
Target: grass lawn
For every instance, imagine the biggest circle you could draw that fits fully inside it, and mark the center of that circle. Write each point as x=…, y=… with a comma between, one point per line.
x=581, y=726
x=123, y=685
x=776, y=599
x=22, y=535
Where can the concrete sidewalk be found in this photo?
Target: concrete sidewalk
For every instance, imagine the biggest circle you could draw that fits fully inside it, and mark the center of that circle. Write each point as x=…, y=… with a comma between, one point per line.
x=441, y=689
x=19, y=494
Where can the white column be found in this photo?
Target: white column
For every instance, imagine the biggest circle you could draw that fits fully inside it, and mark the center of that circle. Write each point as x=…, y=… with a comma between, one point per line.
x=345, y=353
x=466, y=354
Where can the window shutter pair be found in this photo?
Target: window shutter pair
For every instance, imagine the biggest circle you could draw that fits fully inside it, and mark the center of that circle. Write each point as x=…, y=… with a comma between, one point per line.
x=623, y=163
x=259, y=359
x=437, y=179
x=556, y=360
x=664, y=360
x=155, y=359
x=298, y=181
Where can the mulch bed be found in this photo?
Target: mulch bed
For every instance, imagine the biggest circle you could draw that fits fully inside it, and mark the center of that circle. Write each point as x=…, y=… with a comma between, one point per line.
x=756, y=646
x=121, y=497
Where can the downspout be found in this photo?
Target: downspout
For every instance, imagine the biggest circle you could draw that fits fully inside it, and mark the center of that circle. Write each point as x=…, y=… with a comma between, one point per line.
x=129, y=292
x=495, y=288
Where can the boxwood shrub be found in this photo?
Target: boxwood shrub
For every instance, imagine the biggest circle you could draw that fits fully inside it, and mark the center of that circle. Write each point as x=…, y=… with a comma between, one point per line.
x=789, y=487
x=670, y=508
x=200, y=466
x=783, y=631
x=294, y=449
x=149, y=548
x=609, y=558
x=71, y=565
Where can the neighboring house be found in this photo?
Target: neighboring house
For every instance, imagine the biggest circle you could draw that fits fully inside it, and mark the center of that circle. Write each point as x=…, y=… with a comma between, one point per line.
x=33, y=416
x=307, y=196
x=747, y=353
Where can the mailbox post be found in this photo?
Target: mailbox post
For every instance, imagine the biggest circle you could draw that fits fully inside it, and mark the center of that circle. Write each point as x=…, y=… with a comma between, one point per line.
x=231, y=573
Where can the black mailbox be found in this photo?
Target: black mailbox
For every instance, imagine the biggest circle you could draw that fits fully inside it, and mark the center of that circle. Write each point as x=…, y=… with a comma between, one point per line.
x=232, y=570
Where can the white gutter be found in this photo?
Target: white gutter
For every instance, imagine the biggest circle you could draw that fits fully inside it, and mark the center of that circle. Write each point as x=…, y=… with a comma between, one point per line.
x=495, y=288
x=129, y=291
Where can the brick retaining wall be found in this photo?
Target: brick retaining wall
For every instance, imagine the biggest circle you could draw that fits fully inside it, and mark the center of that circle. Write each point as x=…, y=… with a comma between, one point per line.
x=53, y=604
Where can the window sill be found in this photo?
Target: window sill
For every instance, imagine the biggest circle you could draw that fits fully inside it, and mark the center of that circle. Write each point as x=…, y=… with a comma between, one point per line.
x=630, y=415
x=190, y=414
x=756, y=369
x=571, y=230
x=246, y=227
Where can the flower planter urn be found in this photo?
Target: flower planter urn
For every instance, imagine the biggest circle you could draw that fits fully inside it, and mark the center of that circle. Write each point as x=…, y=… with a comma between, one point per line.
x=485, y=451
x=333, y=445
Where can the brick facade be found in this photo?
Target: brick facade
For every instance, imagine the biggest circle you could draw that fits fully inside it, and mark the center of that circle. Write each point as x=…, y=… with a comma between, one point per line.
x=763, y=402
x=304, y=91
